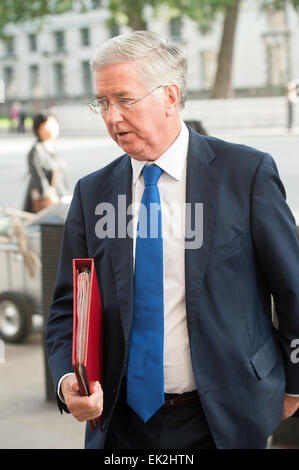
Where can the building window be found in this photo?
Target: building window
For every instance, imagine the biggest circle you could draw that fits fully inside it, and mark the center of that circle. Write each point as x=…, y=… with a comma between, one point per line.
x=277, y=64
x=59, y=79
x=84, y=32
x=208, y=61
x=276, y=42
x=175, y=28
x=34, y=81
x=59, y=40
x=95, y=3
x=32, y=42
x=10, y=46
x=113, y=28
x=8, y=75
x=86, y=77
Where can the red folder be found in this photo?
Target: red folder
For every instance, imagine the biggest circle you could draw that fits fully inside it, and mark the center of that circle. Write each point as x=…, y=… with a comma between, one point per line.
x=87, y=351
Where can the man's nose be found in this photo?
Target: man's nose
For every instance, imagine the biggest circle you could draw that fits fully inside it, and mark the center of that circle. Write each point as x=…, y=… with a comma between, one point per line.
x=113, y=114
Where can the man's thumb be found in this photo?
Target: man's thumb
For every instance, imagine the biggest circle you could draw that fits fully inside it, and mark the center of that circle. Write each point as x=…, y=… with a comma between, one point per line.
x=97, y=387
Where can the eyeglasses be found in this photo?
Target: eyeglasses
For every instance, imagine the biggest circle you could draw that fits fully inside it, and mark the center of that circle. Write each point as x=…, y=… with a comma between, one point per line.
x=122, y=105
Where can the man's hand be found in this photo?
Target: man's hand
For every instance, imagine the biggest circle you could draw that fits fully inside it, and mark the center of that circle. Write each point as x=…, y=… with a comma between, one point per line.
x=291, y=405
x=82, y=408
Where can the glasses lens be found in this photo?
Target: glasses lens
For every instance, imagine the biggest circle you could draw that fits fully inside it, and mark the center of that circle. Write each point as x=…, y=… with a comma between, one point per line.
x=94, y=106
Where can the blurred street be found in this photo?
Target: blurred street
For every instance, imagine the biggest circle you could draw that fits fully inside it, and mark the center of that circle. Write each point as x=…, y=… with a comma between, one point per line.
x=27, y=420
x=82, y=155
x=85, y=154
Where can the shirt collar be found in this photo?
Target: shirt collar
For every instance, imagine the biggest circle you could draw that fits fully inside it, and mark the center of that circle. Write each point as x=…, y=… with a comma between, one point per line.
x=172, y=161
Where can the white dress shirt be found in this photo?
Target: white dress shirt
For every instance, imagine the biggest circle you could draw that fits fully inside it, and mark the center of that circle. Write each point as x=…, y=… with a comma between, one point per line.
x=178, y=373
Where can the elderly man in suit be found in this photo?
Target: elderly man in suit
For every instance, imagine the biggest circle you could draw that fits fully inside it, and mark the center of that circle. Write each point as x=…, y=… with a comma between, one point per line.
x=192, y=358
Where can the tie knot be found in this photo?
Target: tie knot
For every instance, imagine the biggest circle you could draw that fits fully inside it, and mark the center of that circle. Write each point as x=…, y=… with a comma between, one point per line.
x=151, y=174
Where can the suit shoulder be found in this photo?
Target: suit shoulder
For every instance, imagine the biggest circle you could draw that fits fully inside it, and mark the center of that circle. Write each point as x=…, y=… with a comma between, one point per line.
x=232, y=150
x=98, y=176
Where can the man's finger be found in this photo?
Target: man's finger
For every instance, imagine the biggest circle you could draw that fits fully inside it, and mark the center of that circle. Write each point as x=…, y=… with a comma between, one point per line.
x=97, y=387
x=291, y=405
x=75, y=386
x=96, y=399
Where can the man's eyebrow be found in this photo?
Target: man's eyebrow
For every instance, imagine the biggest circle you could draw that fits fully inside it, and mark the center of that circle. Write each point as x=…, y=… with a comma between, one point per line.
x=117, y=94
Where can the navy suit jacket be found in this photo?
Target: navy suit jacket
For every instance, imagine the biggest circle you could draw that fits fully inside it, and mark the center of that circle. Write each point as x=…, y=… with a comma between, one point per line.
x=250, y=254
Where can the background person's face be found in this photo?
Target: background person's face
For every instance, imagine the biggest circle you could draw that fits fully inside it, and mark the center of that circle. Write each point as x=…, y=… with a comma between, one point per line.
x=139, y=131
x=49, y=129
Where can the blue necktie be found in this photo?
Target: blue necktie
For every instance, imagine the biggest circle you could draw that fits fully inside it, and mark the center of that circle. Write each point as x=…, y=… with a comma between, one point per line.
x=145, y=380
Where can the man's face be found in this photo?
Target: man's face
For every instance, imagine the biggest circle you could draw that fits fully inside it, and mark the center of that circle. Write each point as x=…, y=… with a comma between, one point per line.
x=139, y=131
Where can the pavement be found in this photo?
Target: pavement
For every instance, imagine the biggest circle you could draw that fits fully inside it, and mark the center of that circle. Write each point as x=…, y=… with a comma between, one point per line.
x=27, y=419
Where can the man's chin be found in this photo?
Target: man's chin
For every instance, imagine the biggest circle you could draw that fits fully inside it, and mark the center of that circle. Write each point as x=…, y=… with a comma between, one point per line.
x=133, y=152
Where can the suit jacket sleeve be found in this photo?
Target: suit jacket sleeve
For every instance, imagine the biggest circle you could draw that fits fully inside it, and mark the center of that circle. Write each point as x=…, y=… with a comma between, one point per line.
x=277, y=249
x=59, y=328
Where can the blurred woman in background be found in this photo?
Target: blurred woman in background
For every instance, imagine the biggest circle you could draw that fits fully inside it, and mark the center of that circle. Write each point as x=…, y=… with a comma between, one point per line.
x=47, y=182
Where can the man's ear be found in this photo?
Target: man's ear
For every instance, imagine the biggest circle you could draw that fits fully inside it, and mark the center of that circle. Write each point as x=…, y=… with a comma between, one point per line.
x=172, y=99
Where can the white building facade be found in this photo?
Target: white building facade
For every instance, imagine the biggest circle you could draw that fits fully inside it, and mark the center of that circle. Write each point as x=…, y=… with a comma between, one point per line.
x=52, y=63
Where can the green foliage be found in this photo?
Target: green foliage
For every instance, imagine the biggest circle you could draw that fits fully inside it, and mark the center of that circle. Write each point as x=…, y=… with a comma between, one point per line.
x=130, y=12
x=203, y=12
x=279, y=4
x=16, y=11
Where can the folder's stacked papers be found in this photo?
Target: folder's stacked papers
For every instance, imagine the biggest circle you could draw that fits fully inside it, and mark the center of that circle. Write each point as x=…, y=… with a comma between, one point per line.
x=82, y=311
x=87, y=354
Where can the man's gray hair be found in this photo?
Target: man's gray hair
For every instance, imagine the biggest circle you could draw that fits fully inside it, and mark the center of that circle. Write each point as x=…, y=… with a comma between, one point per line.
x=160, y=62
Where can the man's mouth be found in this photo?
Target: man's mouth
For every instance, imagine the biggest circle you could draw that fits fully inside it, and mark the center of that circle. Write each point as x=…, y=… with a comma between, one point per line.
x=121, y=136
x=122, y=133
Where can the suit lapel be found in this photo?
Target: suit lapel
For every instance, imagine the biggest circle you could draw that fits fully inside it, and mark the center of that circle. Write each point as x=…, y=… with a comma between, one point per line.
x=119, y=194
x=202, y=187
